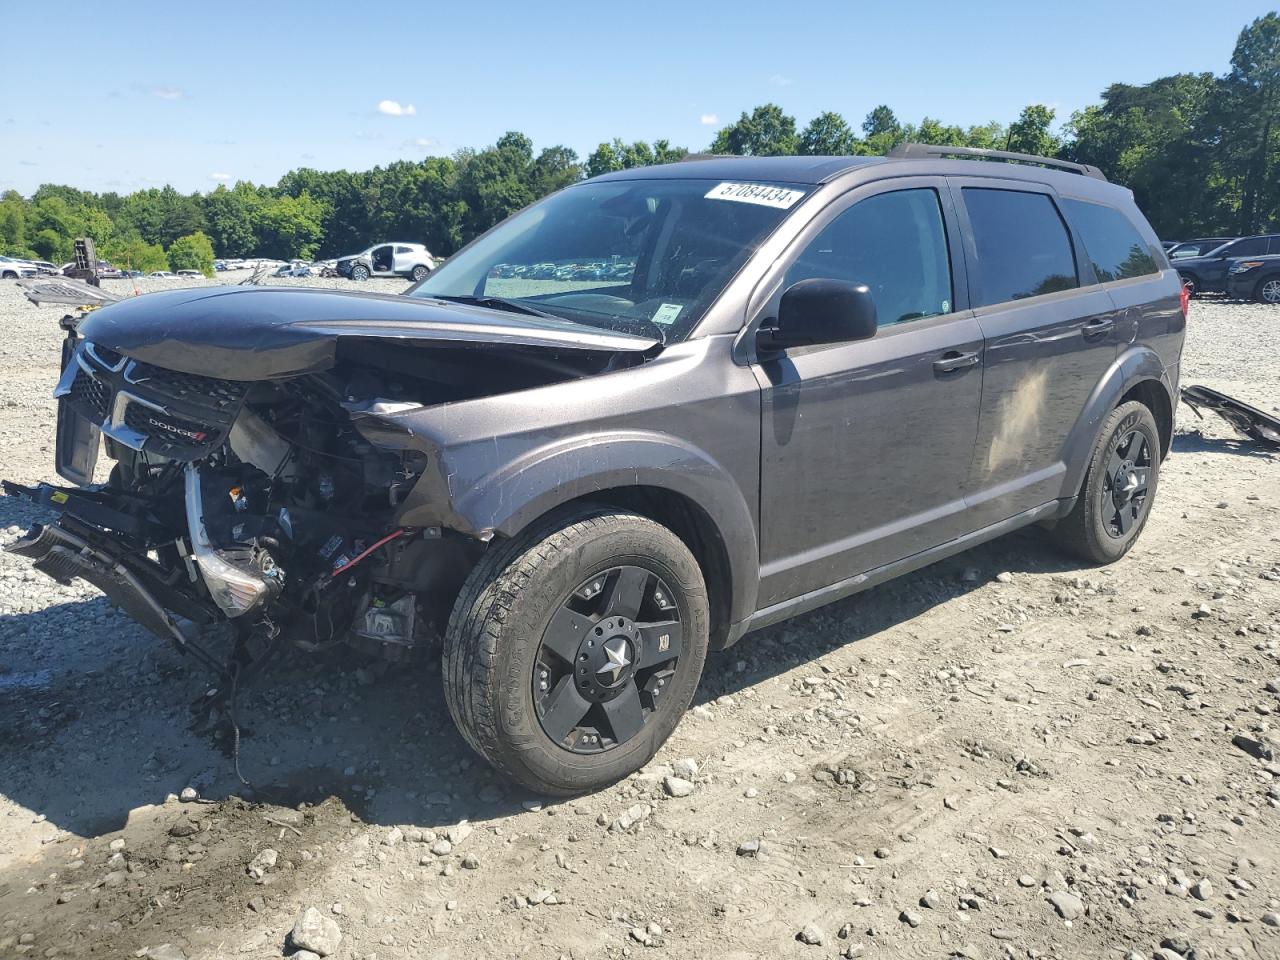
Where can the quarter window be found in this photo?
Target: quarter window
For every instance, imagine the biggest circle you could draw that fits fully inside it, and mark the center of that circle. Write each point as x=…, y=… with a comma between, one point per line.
x=896, y=244
x=1024, y=249
x=1114, y=246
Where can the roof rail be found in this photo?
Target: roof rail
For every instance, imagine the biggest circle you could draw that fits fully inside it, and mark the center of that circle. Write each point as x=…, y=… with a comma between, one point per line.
x=919, y=150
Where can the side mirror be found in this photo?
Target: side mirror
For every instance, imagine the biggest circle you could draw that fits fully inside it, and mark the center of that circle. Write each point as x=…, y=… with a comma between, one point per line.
x=820, y=311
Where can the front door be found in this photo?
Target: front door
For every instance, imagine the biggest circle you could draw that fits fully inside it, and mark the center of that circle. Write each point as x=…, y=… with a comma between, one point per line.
x=866, y=446
x=1048, y=342
x=381, y=257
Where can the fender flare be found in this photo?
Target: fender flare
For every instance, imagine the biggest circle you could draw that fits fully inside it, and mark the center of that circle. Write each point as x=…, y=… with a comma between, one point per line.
x=506, y=498
x=1137, y=364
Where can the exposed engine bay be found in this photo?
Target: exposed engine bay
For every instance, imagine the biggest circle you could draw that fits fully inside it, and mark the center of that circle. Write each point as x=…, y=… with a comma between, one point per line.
x=260, y=503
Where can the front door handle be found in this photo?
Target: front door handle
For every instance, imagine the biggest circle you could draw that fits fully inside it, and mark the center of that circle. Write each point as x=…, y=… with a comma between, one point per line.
x=955, y=360
x=1099, y=327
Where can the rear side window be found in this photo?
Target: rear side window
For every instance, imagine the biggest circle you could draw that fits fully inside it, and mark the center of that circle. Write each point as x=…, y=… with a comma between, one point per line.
x=1112, y=243
x=895, y=243
x=1024, y=249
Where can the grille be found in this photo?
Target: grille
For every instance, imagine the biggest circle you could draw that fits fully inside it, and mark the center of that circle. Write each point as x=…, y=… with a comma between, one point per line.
x=190, y=387
x=183, y=435
x=89, y=397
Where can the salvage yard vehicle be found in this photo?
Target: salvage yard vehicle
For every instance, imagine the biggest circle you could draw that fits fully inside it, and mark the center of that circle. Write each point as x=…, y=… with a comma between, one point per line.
x=816, y=374
x=1207, y=273
x=1255, y=278
x=1196, y=248
x=410, y=260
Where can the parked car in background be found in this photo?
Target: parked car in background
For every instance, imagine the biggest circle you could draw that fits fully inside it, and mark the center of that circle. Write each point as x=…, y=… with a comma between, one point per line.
x=578, y=493
x=296, y=270
x=410, y=260
x=1196, y=248
x=1208, y=272
x=191, y=274
x=12, y=268
x=1256, y=278
x=161, y=274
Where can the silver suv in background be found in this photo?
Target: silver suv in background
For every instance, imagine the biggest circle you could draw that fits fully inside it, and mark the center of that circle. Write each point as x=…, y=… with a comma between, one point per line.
x=412, y=261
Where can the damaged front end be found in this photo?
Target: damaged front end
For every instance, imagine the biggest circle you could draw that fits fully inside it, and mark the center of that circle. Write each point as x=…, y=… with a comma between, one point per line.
x=262, y=503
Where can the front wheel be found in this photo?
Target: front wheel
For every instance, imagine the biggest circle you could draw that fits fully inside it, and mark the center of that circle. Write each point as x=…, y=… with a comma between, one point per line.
x=1268, y=291
x=575, y=648
x=1118, y=489
x=359, y=272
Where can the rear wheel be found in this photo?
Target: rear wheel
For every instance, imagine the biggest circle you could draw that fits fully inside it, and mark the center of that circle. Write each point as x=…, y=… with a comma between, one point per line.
x=420, y=272
x=1118, y=489
x=575, y=648
x=1268, y=291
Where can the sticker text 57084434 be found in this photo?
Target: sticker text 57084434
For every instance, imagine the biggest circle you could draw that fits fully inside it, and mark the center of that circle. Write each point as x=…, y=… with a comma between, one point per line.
x=762, y=193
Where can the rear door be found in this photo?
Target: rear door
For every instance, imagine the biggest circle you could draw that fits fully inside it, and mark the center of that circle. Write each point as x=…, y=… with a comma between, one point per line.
x=866, y=446
x=405, y=259
x=1049, y=339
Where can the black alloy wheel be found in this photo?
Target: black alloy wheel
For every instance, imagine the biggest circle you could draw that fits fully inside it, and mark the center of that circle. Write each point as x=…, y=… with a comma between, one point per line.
x=605, y=659
x=575, y=647
x=1124, y=490
x=1119, y=487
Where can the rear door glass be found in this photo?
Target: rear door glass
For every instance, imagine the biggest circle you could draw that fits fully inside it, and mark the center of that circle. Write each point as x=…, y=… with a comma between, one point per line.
x=1113, y=244
x=1023, y=246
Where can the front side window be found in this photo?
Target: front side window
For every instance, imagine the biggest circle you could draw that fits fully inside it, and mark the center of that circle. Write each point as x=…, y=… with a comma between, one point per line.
x=895, y=243
x=1113, y=244
x=1248, y=247
x=1024, y=249
x=640, y=256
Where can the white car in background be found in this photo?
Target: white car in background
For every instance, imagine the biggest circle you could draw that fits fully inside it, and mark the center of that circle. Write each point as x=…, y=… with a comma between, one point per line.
x=410, y=260
x=12, y=268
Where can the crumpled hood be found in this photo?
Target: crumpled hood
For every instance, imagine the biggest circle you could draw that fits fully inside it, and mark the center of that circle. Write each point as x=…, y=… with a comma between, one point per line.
x=262, y=333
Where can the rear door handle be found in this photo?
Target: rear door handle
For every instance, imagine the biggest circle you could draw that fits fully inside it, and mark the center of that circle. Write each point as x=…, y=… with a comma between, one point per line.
x=1099, y=327
x=955, y=360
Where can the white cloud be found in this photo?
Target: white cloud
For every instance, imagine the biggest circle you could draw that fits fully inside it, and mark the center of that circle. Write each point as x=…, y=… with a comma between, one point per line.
x=708, y=119
x=778, y=80
x=393, y=108
x=168, y=93
x=220, y=177
x=425, y=142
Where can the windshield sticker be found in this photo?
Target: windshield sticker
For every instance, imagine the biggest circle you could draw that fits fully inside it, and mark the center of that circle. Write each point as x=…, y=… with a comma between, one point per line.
x=667, y=313
x=783, y=198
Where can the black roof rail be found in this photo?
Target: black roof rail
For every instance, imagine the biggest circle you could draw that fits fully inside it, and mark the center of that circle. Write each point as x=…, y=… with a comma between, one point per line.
x=919, y=150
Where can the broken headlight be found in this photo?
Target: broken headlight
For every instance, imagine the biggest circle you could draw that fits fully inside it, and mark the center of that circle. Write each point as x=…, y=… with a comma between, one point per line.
x=234, y=587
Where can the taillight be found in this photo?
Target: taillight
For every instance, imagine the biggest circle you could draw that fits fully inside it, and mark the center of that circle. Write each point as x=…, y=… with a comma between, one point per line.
x=1184, y=297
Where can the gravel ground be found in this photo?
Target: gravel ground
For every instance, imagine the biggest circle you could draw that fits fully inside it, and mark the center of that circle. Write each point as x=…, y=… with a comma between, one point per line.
x=1003, y=755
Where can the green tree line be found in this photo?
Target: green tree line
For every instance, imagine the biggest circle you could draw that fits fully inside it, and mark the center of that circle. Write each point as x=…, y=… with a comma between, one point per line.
x=1201, y=153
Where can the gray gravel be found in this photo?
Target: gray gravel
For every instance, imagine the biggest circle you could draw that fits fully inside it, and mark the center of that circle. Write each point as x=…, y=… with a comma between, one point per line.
x=1005, y=754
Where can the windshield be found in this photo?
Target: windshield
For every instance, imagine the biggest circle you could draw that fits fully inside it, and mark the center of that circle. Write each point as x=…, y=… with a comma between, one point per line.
x=640, y=256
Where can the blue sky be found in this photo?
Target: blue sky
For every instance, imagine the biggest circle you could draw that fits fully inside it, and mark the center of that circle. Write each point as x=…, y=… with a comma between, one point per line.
x=234, y=91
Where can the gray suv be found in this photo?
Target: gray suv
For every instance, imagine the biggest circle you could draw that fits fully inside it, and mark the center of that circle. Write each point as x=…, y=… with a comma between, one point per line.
x=749, y=387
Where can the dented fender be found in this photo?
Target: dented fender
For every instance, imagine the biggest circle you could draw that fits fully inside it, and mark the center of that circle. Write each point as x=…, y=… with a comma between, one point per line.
x=497, y=486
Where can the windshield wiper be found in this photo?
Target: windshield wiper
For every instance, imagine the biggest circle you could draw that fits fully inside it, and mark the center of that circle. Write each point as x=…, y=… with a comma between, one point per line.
x=502, y=303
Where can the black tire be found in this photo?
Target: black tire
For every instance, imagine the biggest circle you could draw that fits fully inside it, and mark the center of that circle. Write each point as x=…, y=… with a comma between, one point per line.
x=419, y=273
x=1095, y=528
x=359, y=272
x=494, y=644
x=1268, y=291
x=10, y=275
